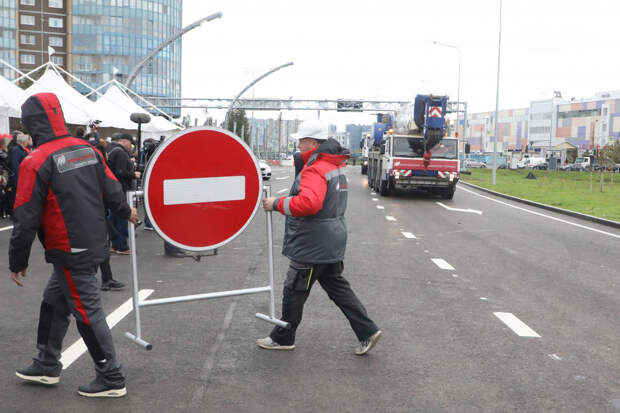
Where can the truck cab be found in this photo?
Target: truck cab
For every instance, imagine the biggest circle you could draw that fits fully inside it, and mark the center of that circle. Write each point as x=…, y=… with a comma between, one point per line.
x=400, y=163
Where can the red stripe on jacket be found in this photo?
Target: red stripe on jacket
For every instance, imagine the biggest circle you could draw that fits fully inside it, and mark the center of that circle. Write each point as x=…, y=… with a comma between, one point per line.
x=76, y=297
x=53, y=223
x=52, y=108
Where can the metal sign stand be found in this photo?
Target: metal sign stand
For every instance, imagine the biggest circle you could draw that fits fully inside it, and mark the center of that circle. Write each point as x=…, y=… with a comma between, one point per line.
x=271, y=318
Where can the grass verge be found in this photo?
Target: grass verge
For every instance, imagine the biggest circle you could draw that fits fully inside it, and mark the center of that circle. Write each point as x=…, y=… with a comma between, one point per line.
x=568, y=190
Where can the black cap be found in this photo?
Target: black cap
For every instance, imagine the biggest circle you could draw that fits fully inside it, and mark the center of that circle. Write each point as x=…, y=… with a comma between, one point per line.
x=121, y=135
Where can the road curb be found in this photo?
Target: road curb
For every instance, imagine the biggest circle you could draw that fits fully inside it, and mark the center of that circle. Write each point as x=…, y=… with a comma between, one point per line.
x=602, y=221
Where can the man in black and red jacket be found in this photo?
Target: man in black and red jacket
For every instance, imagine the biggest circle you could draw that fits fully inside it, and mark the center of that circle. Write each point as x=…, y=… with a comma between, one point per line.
x=63, y=190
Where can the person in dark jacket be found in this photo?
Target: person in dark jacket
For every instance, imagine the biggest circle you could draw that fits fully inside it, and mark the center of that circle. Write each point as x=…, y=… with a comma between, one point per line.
x=123, y=168
x=64, y=187
x=315, y=238
x=16, y=155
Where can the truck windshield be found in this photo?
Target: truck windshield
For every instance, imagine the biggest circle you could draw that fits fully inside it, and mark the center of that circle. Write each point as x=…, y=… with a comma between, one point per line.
x=414, y=148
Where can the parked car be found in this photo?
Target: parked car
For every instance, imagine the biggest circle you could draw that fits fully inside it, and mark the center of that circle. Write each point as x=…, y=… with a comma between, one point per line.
x=265, y=170
x=474, y=163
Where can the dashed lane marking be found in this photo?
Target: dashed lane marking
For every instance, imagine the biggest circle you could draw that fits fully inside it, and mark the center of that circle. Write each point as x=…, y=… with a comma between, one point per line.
x=442, y=264
x=408, y=235
x=519, y=327
x=390, y=218
x=542, y=215
x=6, y=228
x=473, y=211
x=78, y=348
x=282, y=190
x=380, y=207
x=375, y=199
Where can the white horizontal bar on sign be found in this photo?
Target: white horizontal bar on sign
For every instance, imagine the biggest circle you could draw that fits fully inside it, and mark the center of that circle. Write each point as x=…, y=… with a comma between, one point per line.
x=198, y=190
x=516, y=325
x=441, y=263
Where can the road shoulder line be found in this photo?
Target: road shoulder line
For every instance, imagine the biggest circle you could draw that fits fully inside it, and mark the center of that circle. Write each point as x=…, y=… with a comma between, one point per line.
x=591, y=218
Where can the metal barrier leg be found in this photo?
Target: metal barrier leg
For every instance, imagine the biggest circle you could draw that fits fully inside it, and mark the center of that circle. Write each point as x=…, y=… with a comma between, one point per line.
x=271, y=318
x=134, y=283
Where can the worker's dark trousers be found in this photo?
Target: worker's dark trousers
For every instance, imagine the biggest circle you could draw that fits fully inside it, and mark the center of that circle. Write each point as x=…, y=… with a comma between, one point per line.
x=299, y=281
x=77, y=293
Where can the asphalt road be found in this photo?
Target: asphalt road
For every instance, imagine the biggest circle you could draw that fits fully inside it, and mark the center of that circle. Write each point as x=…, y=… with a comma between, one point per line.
x=437, y=281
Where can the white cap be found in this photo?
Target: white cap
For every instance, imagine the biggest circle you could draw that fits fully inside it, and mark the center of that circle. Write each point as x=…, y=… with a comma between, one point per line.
x=314, y=129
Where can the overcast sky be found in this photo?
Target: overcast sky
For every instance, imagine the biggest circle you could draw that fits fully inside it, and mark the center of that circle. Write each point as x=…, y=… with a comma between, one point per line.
x=356, y=49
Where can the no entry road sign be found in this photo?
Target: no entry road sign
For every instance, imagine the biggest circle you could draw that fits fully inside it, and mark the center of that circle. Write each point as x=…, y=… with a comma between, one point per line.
x=202, y=188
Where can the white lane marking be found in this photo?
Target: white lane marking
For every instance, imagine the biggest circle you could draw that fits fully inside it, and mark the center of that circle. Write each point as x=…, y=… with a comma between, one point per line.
x=473, y=211
x=375, y=199
x=373, y=193
x=380, y=207
x=455, y=275
x=282, y=190
x=198, y=190
x=390, y=218
x=543, y=215
x=408, y=235
x=483, y=298
x=78, y=348
x=281, y=178
x=443, y=264
x=555, y=357
x=6, y=228
x=519, y=327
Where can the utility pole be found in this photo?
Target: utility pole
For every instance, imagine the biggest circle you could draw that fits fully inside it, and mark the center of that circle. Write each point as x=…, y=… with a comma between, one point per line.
x=499, y=49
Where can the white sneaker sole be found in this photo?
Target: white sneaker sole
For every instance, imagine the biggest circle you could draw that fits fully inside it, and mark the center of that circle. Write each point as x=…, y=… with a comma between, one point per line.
x=48, y=380
x=374, y=339
x=108, y=393
x=269, y=347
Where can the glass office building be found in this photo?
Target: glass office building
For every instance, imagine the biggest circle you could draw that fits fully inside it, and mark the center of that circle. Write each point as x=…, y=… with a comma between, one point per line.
x=8, y=30
x=108, y=34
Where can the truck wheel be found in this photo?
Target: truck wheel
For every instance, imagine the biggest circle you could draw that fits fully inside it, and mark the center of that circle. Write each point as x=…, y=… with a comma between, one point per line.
x=385, y=188
x=448, y=193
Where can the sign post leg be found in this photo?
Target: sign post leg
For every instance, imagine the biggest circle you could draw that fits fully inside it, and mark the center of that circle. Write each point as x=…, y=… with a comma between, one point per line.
x=271, y=318
x=134, y=282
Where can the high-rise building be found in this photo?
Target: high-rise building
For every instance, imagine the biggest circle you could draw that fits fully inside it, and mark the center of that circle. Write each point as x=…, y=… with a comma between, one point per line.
x=93, y=39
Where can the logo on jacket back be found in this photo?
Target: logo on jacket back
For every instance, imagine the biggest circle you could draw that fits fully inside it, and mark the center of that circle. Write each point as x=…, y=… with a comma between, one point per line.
x=76, y=159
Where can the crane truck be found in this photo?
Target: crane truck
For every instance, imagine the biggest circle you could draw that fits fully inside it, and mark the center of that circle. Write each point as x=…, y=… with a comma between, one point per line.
x=422, y=158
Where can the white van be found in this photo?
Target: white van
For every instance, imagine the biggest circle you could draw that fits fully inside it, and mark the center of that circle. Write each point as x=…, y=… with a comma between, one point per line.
x=530, y=163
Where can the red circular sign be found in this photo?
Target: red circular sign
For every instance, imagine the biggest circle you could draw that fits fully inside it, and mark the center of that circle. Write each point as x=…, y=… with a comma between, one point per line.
x=202, y=188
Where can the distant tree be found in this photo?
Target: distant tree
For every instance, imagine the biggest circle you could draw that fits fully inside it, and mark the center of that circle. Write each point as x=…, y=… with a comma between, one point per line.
x=25, y=83
x=238, y=116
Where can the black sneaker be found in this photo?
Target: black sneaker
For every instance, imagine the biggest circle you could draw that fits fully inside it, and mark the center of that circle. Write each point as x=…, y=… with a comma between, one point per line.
x=112, y=285
x=97, y=388
x=36, y=374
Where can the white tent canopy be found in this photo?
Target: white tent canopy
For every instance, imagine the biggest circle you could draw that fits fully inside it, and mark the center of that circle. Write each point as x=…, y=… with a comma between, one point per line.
x=115, y=96
x=5, y=110
x=78, y=110
x=13, y=96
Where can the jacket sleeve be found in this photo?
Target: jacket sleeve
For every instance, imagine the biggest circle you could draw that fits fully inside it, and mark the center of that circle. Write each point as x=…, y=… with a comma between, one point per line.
x=113, y=195
x=309, y=200
x=32, y=189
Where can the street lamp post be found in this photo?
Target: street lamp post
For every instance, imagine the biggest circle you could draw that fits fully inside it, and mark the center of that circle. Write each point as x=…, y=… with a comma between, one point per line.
x=499, y=50
x=165, y=43
x=264, y=75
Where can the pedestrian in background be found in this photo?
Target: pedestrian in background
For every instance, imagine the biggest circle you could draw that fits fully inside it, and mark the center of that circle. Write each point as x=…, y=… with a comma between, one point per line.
x=123, y=168
x=62, y=194
x=315, y=238
x=16, y=155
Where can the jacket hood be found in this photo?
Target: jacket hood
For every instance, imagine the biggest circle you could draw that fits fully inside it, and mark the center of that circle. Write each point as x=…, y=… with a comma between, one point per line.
x=43, y=118
x=331, y=151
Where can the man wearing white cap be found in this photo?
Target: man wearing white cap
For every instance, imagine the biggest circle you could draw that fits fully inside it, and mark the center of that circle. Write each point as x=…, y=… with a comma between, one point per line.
x=315, y=239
